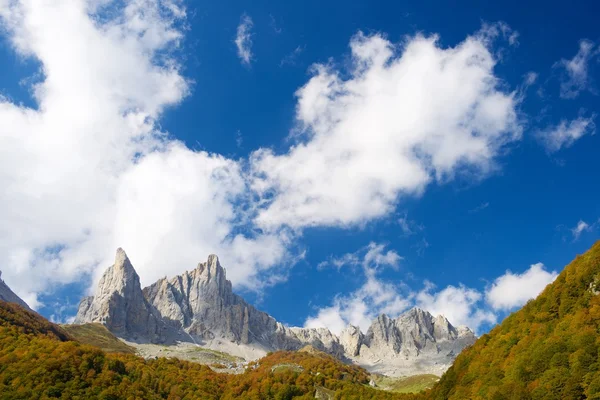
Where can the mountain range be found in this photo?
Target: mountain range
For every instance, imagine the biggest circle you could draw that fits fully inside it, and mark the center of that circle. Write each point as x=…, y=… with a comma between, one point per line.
x=549, y=349
x=200, y=306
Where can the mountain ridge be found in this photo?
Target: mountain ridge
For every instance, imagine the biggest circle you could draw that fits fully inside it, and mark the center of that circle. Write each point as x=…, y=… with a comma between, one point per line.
x=200, y=306
x=9, y=296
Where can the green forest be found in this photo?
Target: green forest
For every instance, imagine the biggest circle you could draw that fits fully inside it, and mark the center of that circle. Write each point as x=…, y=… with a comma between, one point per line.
x=547, y=350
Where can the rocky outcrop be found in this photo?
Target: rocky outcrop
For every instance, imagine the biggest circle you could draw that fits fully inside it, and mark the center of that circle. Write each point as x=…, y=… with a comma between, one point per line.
x=120, y=305
x=9, y=296
x=351, y=340
x=202, y=303
x=414, y=336
x=200, y=306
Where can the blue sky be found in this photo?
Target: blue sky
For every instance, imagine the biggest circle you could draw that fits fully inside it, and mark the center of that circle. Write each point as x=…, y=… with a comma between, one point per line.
x=149, y=127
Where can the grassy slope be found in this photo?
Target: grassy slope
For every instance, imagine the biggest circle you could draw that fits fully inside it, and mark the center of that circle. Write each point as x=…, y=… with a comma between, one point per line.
x=410, y=384
x=97, y=335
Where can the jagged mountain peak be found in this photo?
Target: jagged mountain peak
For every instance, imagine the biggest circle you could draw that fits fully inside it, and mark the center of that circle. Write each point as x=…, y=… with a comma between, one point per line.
x=119, y=303
x=199, y=305
x=120, y=277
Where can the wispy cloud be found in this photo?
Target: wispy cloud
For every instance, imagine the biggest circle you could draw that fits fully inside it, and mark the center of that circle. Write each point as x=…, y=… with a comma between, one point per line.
x=581, y=227
x=273, y=24
x=408, y=226
x=554, y=138
x=479, y=208
x=373, y=255
x=291, y=58
x=576, y=77
x=374, y=296
x=239, y=139
x=243, y=39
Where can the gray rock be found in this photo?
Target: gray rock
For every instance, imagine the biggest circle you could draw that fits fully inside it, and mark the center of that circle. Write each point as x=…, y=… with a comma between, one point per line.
x=200, y=306
x=119, y=304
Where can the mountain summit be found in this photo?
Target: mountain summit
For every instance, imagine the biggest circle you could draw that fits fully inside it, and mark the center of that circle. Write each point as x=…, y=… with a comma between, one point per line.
x=199, y=306
x=119, y=303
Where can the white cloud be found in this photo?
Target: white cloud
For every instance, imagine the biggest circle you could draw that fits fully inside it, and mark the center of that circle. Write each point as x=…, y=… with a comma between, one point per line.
x=243, y=39
x=581, y=227
x=87, y=170
x=510, y=291
x=459, y=304
x=409, y=227
x=576, y=70
x=372, y=256
x=553, y=138
x=530, y=78
x=374, y=297
x=403, y=117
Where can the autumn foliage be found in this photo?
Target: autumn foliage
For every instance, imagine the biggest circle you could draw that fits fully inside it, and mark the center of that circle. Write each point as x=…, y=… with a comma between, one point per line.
x=38, y=360
x=547, y=350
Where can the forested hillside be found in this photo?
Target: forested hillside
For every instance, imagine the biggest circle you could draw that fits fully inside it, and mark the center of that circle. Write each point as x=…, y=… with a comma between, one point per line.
x=39, y=360
x=547, y=350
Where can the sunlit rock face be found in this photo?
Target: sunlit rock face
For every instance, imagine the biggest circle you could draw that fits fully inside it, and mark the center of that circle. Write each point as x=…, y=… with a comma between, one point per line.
x=200, y=306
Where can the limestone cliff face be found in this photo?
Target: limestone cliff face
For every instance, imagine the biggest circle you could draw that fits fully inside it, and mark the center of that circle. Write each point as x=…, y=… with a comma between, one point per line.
x=120, y=304
x=200, y=306
x=202, y=303
x=414, y=334
x=6, y=294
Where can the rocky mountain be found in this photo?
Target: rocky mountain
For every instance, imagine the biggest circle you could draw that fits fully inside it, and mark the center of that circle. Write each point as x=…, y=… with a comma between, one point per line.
x=199, y=306
x=9, y=296
x=120, y=304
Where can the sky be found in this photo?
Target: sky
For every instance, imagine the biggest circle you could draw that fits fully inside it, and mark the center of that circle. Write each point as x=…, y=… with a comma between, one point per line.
x=343, y=160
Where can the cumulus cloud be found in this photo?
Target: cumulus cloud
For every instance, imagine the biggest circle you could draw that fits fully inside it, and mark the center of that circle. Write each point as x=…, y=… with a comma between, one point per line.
x=510, y=291
x=88, y=170
x=243, y=39
x=459, y=304
x=401, y=117
x=576, y=77
x=563, y=135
